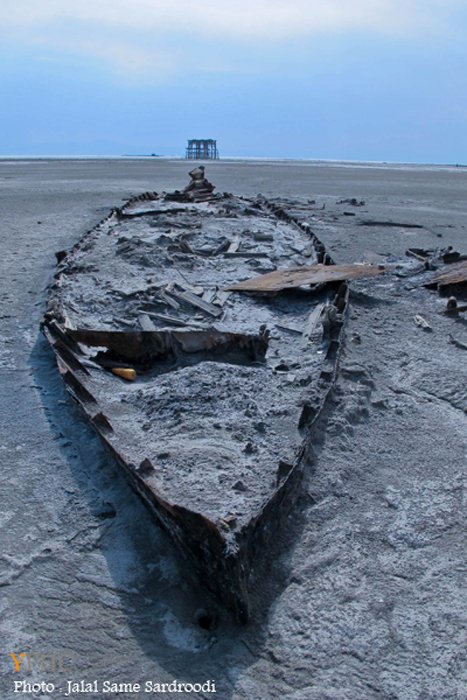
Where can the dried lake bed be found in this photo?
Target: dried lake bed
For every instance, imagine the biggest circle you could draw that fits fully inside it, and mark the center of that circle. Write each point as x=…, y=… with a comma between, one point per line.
x=364, y=597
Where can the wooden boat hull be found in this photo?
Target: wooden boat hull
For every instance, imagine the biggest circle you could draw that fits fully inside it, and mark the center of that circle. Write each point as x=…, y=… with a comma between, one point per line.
x=219, y=475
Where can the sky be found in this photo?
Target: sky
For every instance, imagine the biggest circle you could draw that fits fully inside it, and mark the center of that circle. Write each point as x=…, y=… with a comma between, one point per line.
x=382, y=80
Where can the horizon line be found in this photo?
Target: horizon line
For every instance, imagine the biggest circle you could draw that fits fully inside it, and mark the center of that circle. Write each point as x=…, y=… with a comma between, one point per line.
x=327, y=161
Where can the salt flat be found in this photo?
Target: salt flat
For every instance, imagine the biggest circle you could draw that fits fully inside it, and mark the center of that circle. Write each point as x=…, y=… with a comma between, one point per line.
x=364, y=596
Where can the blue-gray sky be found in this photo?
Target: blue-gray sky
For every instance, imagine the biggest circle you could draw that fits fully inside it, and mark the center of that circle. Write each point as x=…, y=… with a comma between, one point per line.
x=337, y=79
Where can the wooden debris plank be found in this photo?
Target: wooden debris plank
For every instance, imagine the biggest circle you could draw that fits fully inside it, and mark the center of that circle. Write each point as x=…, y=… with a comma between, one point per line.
x=312, y=324
x=145, y=322
x=247, y=254
x=208, y=295
x=457, y=343
x=193, y=300
x=118, y=319
x=185, y=247
x=419, y=254
x=292, y=277
x=283, y=327
x=168, y=300
x=140, y=211
x=185, y=284
x=198, y=290
x=454, y=274
x=260, y=236
x=178, y=321
x=222, y=297
x=167, y=319
x=234, y=245
x=394, y=224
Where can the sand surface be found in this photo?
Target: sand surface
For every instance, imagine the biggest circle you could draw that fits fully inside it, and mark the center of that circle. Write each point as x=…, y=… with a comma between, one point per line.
x=364, y=597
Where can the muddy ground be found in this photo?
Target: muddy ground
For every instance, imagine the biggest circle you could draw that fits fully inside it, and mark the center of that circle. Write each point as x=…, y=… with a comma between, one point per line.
x=363, y=597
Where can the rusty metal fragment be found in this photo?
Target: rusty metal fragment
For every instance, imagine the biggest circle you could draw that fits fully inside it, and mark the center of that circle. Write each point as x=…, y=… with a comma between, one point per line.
x=293, y=277
x=455, y=274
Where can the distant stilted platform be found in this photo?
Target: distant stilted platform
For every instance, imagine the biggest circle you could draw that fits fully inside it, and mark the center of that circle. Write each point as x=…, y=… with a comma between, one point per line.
x=202, y=149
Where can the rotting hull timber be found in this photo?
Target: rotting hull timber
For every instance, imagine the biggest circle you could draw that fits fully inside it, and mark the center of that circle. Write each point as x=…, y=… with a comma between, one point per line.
x=219, y=494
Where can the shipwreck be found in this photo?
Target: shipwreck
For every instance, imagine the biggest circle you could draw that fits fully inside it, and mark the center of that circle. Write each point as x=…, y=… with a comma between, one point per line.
x=200, y=333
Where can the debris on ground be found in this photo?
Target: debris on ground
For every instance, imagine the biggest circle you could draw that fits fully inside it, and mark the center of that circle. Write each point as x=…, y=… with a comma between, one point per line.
x=452, y=278
x=353, y=201
x=422, y=322
x=457, y=343
x=294, y=277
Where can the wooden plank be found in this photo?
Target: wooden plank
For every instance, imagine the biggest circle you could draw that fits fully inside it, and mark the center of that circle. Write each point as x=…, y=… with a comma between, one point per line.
x=393, y=224
x=146, y=323
x=457, y=343
x=260, y=236
x=222, y=297
x=209, y=295
x=185, y=247
x=233, y=247
x=185, y=284
x=312, y=324
x=193, y=300
x=292, y=277
x=419, y=254
x=247, y=254
x=125, y=322
x=179, y=322
x=168, y=300
x=291, y=329
x=454, y=274
x=173, y=320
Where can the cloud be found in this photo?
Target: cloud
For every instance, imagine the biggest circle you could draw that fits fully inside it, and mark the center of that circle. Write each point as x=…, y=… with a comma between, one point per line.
x=265, y=19
x=135, y=33
x=127, y=59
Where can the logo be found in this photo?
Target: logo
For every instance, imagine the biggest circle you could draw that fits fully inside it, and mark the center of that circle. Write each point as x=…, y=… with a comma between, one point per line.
x=40, y=661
